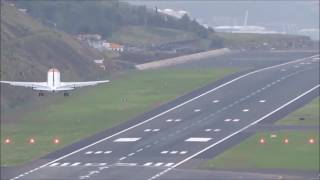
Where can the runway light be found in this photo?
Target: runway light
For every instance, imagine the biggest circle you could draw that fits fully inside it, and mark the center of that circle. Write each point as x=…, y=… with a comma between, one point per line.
x=32, y=141
x=262, y=141
x=56, y=141
x=7, y=141
x=311, y=141
x=286, y=141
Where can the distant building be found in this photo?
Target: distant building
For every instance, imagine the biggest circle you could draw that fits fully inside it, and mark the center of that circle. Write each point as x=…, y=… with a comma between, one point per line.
x=23, y=10
x=98, y=61
x=114, y=47
x=174, y=13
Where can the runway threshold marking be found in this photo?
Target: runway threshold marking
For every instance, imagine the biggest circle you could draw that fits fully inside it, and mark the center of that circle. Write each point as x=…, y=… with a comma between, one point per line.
x=169, y=110
x=233, y=134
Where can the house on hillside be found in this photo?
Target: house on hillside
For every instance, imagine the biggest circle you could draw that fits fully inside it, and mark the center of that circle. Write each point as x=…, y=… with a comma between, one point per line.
x=23, y=10
x=114, y=47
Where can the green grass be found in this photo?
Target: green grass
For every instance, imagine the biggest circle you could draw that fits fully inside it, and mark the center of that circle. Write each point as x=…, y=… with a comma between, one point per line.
x=274, y=154
x=298, y=154
x=89, y=111
x=245, y=39
x=310, y=112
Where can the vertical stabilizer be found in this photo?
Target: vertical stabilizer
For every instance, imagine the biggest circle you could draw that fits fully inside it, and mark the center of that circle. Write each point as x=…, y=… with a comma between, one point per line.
x=53, y=77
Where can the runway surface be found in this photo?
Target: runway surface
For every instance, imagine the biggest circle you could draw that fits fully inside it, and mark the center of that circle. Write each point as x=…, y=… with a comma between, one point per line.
x=188, y=130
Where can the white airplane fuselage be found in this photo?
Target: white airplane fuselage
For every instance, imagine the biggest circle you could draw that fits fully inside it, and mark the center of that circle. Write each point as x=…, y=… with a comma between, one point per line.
x=53, y=82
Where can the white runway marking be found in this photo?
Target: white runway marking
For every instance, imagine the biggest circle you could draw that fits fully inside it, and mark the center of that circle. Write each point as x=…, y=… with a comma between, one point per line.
x=183, y=152
x=217, y=130
x=158, y=164
x=245, y=110
x=89, y=152
x=208, y=130
x=153, y=130
x=98, y=152
x=215, y=101
x=173, y=152
x=177, y=120
x=75, y=164
x=64, y=164
x=197, y=110
x=148, y=164
x=169, y=164
x=126, y=164
x=140, y=150
x=169, y=120
x=123, y=158
x=227, y=120
x=54, y=164
x=107, y=152
x=236, y=120
x=198, y=139
x=164, y=152
x=126, y=140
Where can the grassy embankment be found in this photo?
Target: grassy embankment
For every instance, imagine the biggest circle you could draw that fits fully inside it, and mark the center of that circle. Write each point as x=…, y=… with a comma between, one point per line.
x=87, y=112
x=298, y=154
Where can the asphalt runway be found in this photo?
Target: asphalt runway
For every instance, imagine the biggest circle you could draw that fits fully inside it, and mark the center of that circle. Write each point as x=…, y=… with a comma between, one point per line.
x=157, y=144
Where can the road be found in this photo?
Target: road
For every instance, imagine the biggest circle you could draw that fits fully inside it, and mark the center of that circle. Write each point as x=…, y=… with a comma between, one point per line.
x=155, y=147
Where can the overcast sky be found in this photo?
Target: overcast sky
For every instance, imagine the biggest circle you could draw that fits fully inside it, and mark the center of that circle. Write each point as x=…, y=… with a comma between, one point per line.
x=298, y=14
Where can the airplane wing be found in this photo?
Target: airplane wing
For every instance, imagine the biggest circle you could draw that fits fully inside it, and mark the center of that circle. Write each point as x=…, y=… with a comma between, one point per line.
x=26, y=84
x=81, y=84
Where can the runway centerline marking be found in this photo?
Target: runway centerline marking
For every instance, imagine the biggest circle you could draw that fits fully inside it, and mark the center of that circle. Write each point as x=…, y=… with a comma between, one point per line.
x=215, y=101
x=236, y=120
x=169, y=110
x=127, y=139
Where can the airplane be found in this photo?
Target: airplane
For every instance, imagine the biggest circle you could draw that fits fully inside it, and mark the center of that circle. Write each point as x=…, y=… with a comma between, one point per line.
x=53, y=83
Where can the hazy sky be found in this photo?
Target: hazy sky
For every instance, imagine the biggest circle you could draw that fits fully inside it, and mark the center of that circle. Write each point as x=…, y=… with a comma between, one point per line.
x=298, y=14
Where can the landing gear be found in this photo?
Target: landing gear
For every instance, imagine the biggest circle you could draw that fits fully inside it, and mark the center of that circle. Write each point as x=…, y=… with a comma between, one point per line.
x=41, y=94
x=65, y=94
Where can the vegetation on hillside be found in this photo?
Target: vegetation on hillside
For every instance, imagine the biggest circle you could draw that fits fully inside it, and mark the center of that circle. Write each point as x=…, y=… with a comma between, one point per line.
x=28, y=49
x=106, y=17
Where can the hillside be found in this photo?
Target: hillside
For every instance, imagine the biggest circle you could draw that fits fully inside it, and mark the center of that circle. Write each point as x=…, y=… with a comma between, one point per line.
x=28, y=49
x=111, y=18
x=146, y=36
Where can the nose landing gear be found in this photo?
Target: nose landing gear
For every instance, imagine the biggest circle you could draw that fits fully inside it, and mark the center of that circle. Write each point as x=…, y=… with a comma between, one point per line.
x=65, y=94
x=41, y=94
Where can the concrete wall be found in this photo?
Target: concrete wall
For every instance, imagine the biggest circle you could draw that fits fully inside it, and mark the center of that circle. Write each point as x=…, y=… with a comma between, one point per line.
x=182, y=59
